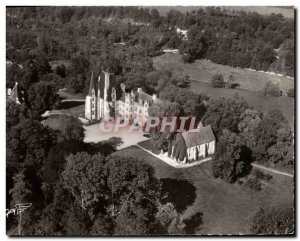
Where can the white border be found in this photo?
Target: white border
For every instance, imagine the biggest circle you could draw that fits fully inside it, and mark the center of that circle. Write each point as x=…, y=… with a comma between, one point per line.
x=4, y=3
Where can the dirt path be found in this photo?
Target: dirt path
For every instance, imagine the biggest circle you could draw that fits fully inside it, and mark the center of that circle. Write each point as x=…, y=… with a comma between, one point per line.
x=169, y=162
x=272, y=170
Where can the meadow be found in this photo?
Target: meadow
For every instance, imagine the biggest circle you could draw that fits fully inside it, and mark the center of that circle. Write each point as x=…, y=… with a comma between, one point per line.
x=250, y=83
x=203, y=70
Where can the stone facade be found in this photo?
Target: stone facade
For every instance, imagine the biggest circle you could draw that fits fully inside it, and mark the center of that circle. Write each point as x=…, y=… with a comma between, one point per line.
x=107, y=98
x=193, y=144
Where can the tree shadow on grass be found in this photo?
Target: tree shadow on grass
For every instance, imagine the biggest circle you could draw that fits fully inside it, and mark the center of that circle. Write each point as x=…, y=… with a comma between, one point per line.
x=194, y=223
x=235, y=86
x=70, y=104
x=181, y=193
x=246, y=157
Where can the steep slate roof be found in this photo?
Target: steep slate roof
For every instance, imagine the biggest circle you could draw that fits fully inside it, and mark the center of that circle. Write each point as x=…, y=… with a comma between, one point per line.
x=146, y=97
x=92, y=85
x=16, y=94
x=198, y=136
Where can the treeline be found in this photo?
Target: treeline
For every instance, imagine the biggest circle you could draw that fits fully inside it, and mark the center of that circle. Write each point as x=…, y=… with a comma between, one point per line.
x=239, y=39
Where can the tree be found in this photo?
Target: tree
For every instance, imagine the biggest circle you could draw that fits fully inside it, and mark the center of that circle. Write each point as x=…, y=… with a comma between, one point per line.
x=137, y=219
x=84, y=178
x=76, y=83
x=217, y=81
x=65, y=14
x=60, y=70
x=276, y=220
x=190, y=102
x=28, y=144
x=21, y=192
x=271, y=89
x=165, y=112
x=291, y=93
x=249, y=122
x=232, y=159
x=55, y=162
x=42, y=96
x=73, y=130
x=15, y=113
x=230, y=82
x=53, y=78
x=282, y=152
x=223, y=113
x=267, y=134
x=129, y=180
x=170, y=219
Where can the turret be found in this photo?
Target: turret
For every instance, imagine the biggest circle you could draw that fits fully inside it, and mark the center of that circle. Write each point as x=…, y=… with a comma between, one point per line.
x=92, y=86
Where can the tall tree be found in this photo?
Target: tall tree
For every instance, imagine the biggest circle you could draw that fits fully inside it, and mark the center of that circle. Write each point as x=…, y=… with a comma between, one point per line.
x=84, y=178
x=232, y=159
x=276, y=220
x=223, y=113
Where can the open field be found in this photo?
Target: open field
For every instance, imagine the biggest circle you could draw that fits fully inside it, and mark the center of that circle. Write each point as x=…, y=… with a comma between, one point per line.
x=265, y=10
x=223, y=208
x=202, y=71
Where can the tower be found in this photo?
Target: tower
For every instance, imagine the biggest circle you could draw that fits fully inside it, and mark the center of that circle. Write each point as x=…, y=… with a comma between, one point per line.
x=91, y=101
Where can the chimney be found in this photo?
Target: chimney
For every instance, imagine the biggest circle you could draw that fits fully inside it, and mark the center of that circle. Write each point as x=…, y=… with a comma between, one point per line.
x=139, y=90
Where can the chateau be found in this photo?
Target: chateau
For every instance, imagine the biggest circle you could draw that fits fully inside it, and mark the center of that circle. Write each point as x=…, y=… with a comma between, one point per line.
x=107, y=98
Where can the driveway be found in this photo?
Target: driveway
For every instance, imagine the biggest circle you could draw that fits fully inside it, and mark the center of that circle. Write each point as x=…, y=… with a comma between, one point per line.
x=93, y=133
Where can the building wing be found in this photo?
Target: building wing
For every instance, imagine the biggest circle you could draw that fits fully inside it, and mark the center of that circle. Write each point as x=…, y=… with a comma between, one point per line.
x=198, y=136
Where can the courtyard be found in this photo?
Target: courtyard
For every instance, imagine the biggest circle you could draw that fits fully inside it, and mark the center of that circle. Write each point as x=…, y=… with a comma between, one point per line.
x=93, y=133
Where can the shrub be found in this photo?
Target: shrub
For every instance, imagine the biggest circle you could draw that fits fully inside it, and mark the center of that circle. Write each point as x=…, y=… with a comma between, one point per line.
x=253, y=183
x=217, y=81
x=230, y=82
x=261, y=175
x=271, y=89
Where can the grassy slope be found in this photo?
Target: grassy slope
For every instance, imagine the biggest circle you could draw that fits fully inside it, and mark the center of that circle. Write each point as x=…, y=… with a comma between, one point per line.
x=202, y=71
x=288, y=13
x=225, y=207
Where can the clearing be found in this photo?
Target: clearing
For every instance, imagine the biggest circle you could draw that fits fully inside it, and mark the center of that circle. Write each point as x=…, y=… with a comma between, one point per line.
x=209, y=205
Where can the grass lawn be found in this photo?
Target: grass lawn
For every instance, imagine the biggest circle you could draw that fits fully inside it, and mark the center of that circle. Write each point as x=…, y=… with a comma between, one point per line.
x=69, y=96
x=209, y=205
x=254, y=99
x=74, y=108
x=56, y=122
x=148, y=145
